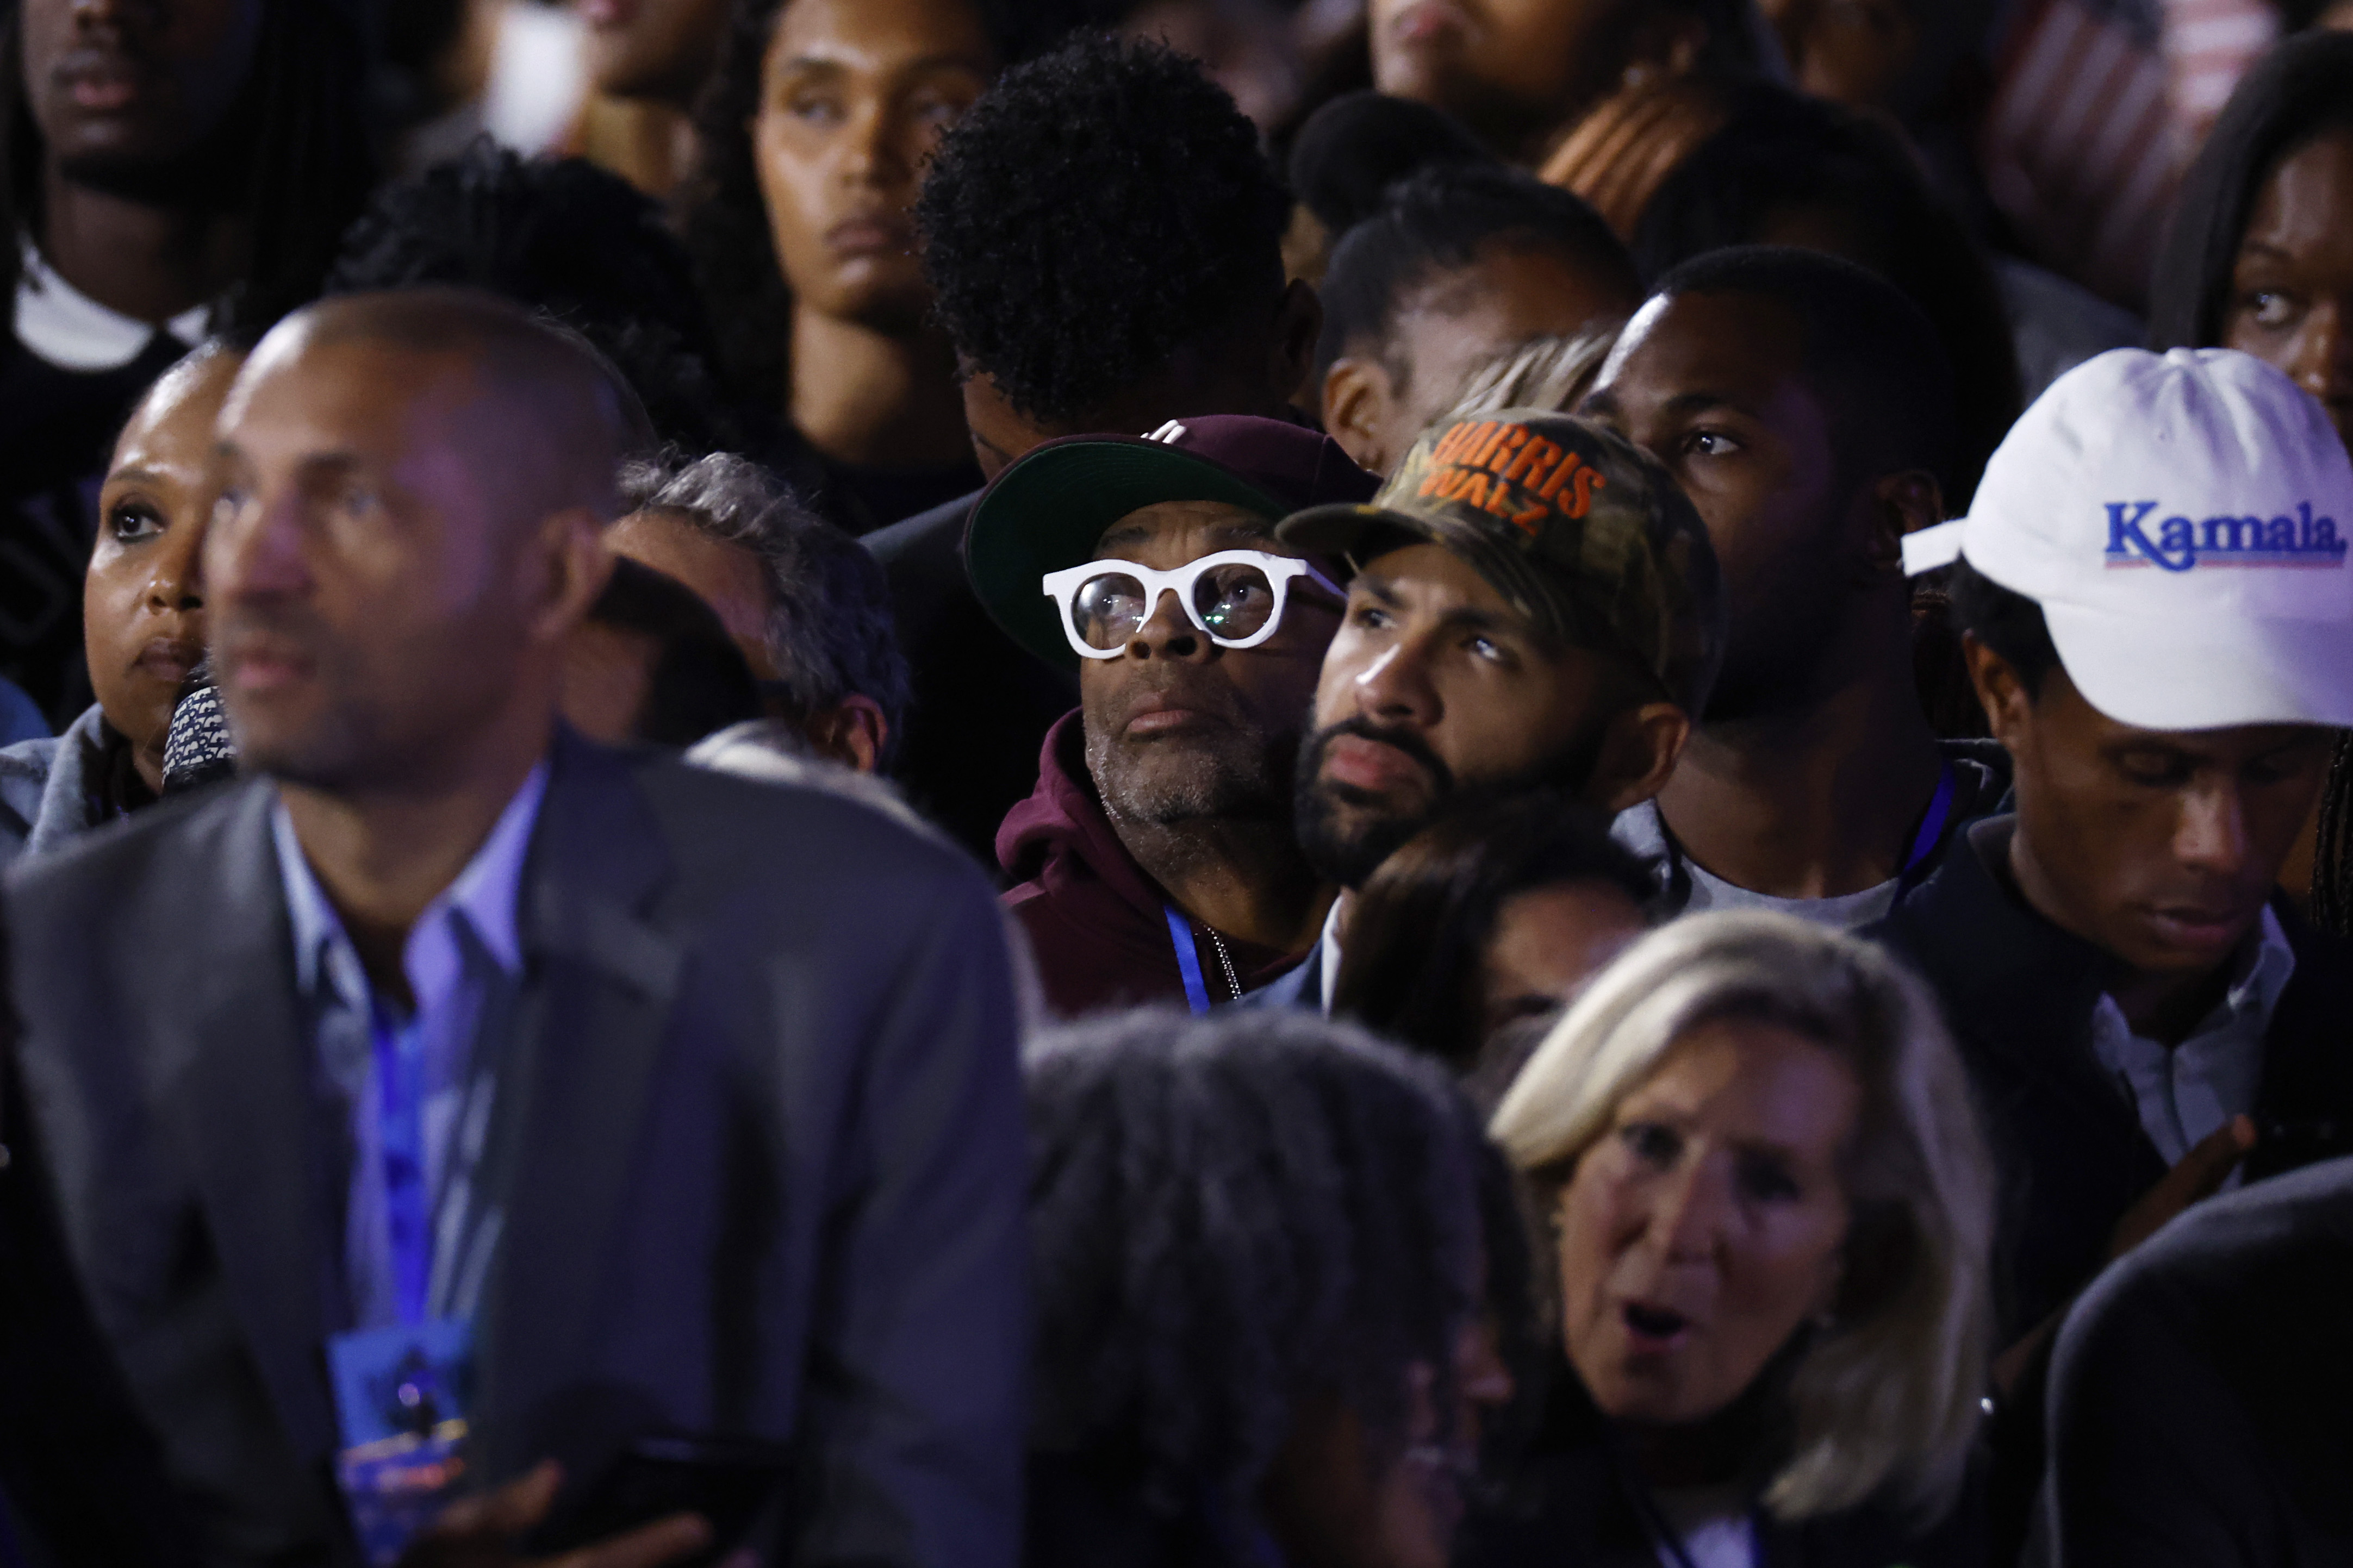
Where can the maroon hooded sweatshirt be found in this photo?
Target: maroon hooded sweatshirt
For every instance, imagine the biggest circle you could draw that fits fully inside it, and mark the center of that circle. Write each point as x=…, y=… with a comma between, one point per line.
x=1097, y=923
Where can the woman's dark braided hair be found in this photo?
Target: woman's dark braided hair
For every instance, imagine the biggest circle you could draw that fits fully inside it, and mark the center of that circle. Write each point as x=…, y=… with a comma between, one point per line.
x=1234, y=1213
x=296, y=153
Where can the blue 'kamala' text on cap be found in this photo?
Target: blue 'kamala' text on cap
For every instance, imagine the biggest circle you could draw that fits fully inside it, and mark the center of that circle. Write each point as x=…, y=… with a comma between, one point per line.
x=2303, y=539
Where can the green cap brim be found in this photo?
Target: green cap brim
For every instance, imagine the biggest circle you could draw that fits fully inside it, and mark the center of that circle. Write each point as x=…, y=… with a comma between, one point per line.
x=1357, y=531
x=1051, y=506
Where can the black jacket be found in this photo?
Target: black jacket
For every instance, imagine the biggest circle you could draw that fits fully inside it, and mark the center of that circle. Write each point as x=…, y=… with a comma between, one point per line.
x=80, y=1474
x=1570, y=1501
x=2018, y=992
x=982, y=704
x=2201, y=1413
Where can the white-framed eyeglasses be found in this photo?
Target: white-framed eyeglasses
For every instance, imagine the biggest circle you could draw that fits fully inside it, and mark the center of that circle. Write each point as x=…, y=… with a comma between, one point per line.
x=1235, y=597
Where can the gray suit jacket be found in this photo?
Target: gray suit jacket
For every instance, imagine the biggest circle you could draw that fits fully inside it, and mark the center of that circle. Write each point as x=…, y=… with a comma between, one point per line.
x=768, y=1156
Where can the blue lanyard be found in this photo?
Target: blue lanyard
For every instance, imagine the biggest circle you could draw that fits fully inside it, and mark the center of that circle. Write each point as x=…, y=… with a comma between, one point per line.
x=1189, y=961
x=1932, y=831
x=400, y=1123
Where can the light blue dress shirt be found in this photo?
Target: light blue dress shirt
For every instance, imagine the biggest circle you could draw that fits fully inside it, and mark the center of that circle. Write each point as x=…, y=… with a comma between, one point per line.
x=2183, y=1093
x=463, y=960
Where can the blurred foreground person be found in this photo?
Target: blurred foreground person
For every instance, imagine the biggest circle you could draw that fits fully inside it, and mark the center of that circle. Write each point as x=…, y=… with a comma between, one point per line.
x=1752, y=1142
x=1469, y=941
x=2200, y=1390
x=550, y=1097
x=653, y=664
x=809, y=609
x=1536, y=607
x=142, y=618
x=1803, y=404
x=1277, y=1270
x=170, y=170
x=81, y=1479
x=1072, y=315
x=1157, y=858
x=1457, y=266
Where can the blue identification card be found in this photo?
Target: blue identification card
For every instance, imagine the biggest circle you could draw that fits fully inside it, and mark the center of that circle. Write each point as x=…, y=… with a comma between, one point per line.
x=401, y=1398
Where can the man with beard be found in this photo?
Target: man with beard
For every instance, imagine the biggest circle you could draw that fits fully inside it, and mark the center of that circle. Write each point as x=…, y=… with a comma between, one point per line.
x=1805, y=408
x=1534, y=605
x=1157, y=858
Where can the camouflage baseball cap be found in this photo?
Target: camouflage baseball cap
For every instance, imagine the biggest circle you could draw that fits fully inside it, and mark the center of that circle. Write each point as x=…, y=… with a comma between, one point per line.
x=1579, y=529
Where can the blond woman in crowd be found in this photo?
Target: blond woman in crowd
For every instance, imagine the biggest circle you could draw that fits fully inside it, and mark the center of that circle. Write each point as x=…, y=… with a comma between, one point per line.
x=1771, y=1210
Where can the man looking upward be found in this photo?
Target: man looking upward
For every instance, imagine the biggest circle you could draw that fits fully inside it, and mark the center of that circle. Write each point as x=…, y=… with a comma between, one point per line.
x=1805, y=408
x=1157, y=858
x=1534, y=605
x=585, y=1095
x=1086, y=315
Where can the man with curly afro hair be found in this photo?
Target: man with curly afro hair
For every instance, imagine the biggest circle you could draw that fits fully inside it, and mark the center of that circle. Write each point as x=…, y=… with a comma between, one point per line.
x=1103, y=238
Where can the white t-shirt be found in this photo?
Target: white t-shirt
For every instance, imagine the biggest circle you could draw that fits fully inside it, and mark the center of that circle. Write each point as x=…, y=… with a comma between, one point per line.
x=1638, y=828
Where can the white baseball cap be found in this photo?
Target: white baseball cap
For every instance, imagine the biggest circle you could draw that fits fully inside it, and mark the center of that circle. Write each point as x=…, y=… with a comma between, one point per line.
x=2182, y=519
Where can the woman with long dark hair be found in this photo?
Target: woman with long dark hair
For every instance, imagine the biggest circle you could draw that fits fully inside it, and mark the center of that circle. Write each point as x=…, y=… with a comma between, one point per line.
x=2259, y=259
x=814, y=136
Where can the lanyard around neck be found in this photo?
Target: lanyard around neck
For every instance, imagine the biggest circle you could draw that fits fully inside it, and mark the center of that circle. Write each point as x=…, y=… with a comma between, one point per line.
x=400, y=1120
x=1916, y=860
x=1189, y=961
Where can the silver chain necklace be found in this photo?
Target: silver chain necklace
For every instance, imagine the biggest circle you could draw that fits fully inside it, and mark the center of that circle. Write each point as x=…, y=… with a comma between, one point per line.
x=1225, y=963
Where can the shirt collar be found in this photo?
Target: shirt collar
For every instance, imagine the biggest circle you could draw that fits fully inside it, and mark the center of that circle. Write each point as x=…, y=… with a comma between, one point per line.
x=2264, y=973
x=65, y=327
x=486, y=894
x=1327, y=956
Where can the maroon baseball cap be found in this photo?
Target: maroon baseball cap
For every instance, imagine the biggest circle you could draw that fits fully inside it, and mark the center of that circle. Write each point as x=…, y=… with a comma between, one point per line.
x=1048, y=509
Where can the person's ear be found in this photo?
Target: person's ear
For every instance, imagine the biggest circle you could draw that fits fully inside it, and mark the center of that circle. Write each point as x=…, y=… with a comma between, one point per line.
x=2008, y=707
x=568, y=568
x=1638, y=755
x=852, y=731
x=1357, y=403
x=1298, y=322
x=1900, y=504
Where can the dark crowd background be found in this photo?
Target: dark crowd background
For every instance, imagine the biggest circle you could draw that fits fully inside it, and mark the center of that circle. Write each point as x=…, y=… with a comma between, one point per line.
x=1635, y=968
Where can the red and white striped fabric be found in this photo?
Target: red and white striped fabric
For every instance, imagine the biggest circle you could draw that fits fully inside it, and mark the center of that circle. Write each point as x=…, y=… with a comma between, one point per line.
x=2098, y=105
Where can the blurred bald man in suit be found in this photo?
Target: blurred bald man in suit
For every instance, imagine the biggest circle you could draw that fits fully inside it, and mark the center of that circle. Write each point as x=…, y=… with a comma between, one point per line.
x=694, y=1099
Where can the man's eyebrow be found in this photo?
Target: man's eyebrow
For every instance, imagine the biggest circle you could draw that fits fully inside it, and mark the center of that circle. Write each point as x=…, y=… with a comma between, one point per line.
x=134, y=474
x=2276, y=252
x=1471, y=617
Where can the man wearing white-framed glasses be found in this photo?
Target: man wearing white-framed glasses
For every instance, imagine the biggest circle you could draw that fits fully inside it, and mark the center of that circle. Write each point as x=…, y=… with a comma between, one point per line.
x=1157, y=858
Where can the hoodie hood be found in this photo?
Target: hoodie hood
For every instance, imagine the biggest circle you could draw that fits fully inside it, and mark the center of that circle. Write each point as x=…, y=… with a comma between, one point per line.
x=1098, y=925
x=1061, y=835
